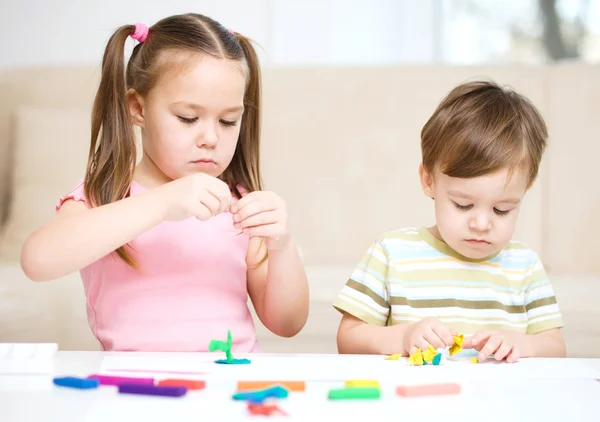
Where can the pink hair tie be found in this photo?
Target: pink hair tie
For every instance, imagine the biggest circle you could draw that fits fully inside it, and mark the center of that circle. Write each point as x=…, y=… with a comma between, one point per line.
x=231, y=31
x=140, y=32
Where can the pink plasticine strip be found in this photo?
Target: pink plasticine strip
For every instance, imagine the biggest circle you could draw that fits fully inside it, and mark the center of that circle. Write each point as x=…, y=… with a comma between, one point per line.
x=110, y=380
x=153, y=371
x=427, y=390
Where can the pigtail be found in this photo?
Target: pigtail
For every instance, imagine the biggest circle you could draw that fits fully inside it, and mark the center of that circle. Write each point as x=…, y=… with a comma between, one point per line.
x=112, y=155
x=245, y=166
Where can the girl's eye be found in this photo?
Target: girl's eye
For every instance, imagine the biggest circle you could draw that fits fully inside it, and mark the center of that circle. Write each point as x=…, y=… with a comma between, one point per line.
x=188, y=120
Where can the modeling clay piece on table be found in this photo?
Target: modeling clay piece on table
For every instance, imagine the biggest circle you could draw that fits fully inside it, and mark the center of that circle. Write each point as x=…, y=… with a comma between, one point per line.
x=152, y=390
x=394, y=357
x=264, y=409
x=429, y=354
x=261, y=385
x=354, y=393
x=474, y=360
x=362, y=383
x=416, y=358
x=74, y=382
x=427, y=390
x=259, y=396
x=218, y=345
x=437, y=360
x=457, y=346
x=189, y=384
x=111, y=380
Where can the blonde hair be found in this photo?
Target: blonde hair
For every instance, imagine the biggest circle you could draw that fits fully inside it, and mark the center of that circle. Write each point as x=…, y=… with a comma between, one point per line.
x=480, y=128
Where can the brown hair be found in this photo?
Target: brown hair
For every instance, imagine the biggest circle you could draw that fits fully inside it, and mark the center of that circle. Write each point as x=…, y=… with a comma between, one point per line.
x=480, y=128
x=112, y=156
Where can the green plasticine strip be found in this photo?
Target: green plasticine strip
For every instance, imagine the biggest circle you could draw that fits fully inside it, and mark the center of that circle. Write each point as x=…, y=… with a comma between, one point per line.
x=354, y=393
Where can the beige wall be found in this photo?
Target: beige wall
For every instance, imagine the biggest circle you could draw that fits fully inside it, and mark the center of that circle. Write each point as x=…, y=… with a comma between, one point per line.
x=341, y=145
x=572, y=200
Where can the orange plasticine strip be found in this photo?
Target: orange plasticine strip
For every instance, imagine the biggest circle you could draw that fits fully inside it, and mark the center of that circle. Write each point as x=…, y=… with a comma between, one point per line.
x=261, y=385
x=190, y=384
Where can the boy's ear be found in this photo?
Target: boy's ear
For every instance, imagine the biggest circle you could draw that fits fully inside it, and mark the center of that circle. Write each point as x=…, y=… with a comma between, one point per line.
x=426, y=181
x=135, y=103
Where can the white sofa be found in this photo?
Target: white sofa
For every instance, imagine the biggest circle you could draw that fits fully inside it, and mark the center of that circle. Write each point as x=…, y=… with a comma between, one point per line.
x=341, y=145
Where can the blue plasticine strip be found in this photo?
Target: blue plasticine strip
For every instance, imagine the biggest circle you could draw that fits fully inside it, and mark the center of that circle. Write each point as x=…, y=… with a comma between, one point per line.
x=277, y=392
x=74, y=382
x=233, y=362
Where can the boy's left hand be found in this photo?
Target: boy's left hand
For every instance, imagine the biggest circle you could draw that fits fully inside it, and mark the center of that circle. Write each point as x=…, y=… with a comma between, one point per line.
x=504, y=345
x=262, y=214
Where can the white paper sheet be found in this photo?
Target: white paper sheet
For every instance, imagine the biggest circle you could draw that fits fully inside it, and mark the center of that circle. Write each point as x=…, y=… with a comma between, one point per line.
x=342, y=367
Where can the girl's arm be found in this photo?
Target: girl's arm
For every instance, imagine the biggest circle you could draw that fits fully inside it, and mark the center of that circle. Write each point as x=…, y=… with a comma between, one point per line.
x=277, y=282
x=79, y=235
x=278, y=287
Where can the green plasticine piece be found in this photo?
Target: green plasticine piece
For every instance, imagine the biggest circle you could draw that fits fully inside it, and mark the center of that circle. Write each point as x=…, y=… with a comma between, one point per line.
x=218, y=345
x=354, y=393
x=437, y=359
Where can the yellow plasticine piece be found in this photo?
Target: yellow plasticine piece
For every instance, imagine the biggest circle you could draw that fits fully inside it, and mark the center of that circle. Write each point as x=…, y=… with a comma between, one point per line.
x=457, y=346
x=474, y=360
x=416, y=358
x=362, y=384
x=429, y=354
x=394, y=357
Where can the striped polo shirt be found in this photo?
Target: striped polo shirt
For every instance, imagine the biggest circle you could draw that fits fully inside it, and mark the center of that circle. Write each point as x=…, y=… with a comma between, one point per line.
x=408, y=275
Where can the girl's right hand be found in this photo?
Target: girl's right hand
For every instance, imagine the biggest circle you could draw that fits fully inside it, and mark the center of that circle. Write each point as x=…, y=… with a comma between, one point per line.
x=198, y=195
x=425, y=332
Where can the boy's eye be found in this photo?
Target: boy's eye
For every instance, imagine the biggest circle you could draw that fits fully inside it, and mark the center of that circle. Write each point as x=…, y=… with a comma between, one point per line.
x=228, y=122
x=501, y=212
x=188, y=120
x=462, y=207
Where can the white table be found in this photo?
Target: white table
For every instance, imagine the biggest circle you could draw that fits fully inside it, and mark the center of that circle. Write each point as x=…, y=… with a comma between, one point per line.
x=490, y=392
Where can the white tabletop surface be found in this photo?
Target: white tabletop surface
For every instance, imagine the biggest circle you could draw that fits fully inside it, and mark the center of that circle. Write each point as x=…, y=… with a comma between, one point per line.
x=530, y=390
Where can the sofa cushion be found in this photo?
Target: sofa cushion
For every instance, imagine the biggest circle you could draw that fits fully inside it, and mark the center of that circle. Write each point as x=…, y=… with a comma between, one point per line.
x=50, y=156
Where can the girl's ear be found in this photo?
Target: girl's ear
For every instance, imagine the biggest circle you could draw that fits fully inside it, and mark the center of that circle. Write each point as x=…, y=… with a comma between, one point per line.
x=135, y=102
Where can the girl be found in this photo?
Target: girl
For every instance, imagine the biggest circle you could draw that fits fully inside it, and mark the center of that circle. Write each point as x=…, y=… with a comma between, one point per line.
x=170, y=246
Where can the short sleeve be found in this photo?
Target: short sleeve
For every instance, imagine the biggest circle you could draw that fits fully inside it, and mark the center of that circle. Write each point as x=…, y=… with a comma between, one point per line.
x=542, y=308
x=365, y=294
x=77, y=194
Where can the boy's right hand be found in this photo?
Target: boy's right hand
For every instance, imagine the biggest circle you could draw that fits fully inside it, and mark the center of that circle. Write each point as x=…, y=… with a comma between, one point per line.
x=197, y=195
x=425, y=332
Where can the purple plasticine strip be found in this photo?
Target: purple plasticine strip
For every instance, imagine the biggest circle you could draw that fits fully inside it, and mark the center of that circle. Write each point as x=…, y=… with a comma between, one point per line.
x=110, y=380
x=152, y=390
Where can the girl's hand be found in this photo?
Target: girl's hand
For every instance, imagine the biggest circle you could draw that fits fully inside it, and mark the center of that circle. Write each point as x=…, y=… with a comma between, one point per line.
x=198, y=195
x=263, y=214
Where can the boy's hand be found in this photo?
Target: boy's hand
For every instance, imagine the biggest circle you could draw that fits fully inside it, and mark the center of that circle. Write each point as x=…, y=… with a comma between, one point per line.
x=425, y=332
x=504, y=345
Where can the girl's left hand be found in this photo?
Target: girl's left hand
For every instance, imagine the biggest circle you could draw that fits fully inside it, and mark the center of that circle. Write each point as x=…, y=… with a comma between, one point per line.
x=262, y=214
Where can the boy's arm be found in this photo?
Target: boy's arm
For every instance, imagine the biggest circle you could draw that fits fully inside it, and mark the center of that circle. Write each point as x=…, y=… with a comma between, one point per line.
x=355, y=336
x=548, y=344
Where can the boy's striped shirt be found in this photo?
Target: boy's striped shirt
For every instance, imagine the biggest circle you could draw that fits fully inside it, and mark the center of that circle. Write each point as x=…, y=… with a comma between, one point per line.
x=407, y=275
